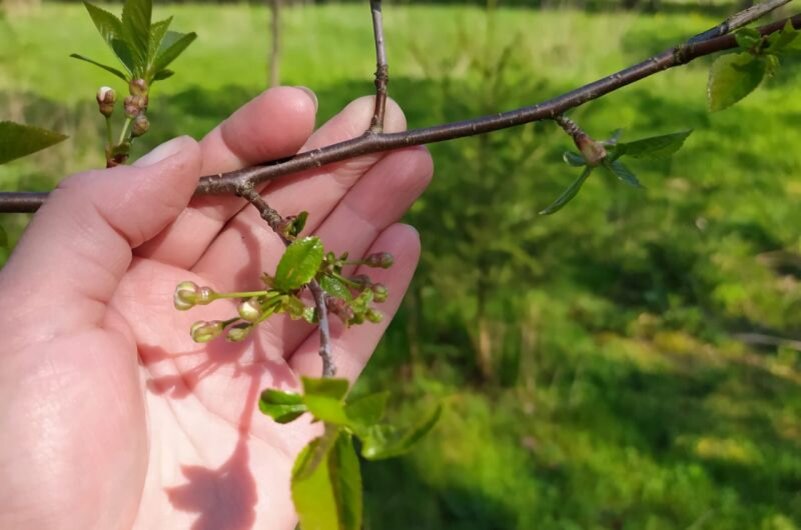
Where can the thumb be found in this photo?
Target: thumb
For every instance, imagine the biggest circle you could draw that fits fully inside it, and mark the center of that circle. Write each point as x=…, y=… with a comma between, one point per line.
x=78, y=246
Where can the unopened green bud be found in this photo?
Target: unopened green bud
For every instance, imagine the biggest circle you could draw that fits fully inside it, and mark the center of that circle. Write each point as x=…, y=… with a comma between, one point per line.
x=203, y=331
x=140, y=125
x=250, y=310
x=138, y=87
x=374, y=316
x=238, y=333
x=186, y=295
x=106, y=97
x=383, y=260
x=380, y=292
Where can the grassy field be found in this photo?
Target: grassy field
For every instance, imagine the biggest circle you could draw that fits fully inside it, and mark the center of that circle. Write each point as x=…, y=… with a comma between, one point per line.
x=593, y=362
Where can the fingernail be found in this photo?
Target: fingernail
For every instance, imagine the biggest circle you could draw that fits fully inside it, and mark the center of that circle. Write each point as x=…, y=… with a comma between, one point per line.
x=310, y=93
x=161, y=153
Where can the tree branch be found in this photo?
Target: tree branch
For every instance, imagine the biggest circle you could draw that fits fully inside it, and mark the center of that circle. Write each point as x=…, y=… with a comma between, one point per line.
x=381, y=69
x=277, y=223
x=375, y=142
x=738, y=20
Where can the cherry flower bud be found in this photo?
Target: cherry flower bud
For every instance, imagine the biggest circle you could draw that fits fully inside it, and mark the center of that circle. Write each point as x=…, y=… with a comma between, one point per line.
x=380, y=292
x=250, y=310
x=134, y=105
x=238, y=333
x=138, y=87
x=106, y=97
x=383, y=260
x=186, y=296
x=374, y=316
x=140, y=125
x=202, y=331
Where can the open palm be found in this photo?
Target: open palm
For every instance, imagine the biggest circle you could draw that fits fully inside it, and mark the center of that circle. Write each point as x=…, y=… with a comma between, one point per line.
x=110, y=416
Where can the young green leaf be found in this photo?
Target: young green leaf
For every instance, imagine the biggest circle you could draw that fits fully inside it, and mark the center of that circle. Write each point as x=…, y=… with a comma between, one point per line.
x=325, y=399
x=299, y=264
x=136, y=31
x=101, y=65
x=385, y=441
x=325, y=386
x=173, y=45
x=123, y=53
x=328, y=495
x=568, y=194
x=18, y=140
x=784, y=39
x=747, y=38
x=107, y=24
x=617, y=169
x=157, y=32
x=573, y=159
x=653, y=147
x=335, y=287
x=283, y=407
x=163, y=74
x=367, y=410
x=732, y=77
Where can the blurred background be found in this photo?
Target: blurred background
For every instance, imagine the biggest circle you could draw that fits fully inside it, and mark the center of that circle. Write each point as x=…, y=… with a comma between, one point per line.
x=632, y=362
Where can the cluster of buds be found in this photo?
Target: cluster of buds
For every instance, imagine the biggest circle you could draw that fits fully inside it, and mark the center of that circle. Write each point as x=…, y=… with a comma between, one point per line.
x=350, y=298
x=135, y=106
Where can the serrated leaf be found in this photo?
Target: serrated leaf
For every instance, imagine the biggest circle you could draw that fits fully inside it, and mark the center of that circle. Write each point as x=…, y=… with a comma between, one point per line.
x=281, y=406
x=178, y=42
x=732, y=77
x=335, y=287
x=163, y=74
x=100, y=65
x=367, y=410
x=617, y=169
x=573, y=159
x=568, y=194
x=157, y=32
x=653, y=147
x=299, y=264
x=328, y=496
x=18, y=140
x=123, y=53
x=136, y=30
x=107, y=24
x=385, y=441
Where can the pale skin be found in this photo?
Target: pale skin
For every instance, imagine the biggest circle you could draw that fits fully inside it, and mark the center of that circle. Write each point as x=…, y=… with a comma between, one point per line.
x=110, y=416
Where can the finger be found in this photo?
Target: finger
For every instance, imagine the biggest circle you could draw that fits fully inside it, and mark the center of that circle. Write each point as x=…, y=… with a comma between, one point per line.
x=246, y=247
x=351, y=348
x=78, y=246
x=273, y=125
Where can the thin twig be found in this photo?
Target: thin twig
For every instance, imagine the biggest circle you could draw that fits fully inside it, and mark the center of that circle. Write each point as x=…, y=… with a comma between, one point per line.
x=277, y=223
x=381, y=69
x=738, y=20
x=329, y=369
x=371, y=143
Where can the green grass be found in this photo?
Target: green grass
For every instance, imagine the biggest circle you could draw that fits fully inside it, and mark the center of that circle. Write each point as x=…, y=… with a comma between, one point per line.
x=616, y=395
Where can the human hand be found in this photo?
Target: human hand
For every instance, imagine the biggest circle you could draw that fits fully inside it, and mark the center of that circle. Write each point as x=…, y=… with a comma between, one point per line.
x=111, y=417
